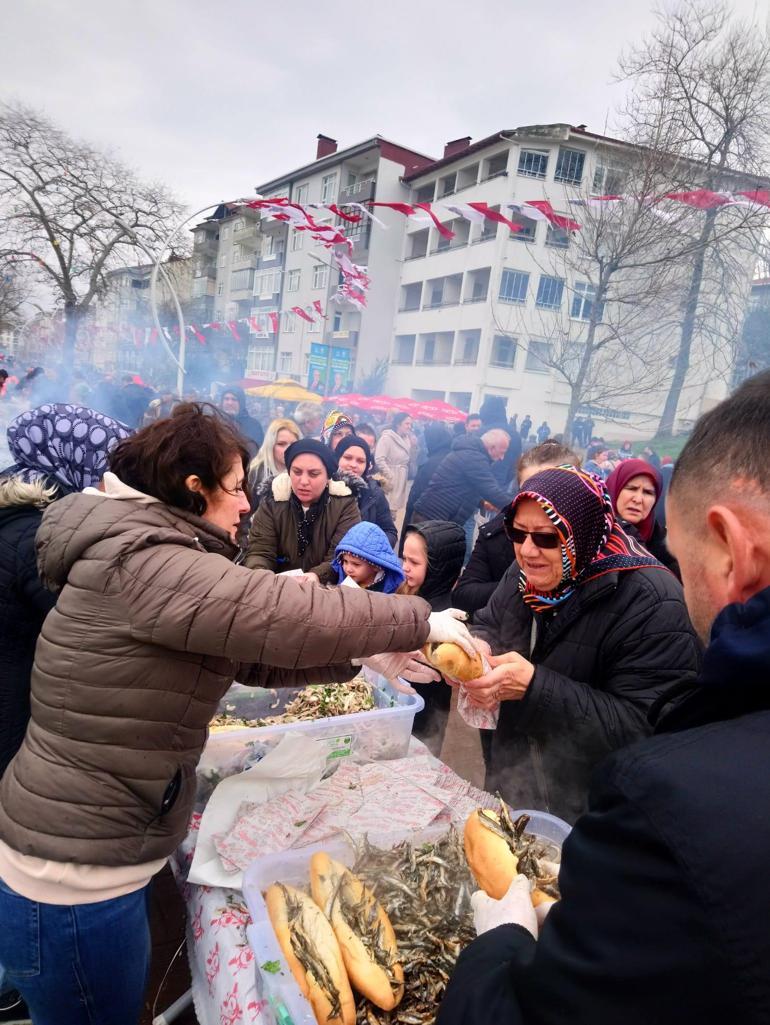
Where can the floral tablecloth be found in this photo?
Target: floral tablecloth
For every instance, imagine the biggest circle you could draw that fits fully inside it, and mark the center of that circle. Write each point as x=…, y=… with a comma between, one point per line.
x=221, y=960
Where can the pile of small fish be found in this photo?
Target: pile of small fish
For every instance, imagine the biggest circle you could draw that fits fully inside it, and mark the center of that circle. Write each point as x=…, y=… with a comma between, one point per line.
x=323, y=701
x=426, y=891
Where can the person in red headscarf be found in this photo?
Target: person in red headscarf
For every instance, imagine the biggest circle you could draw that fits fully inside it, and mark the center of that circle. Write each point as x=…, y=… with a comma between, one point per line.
x=636, y=487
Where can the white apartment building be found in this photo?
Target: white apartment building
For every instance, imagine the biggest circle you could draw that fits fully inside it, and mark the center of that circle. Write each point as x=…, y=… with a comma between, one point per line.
x=472, y=312
x=249, y=266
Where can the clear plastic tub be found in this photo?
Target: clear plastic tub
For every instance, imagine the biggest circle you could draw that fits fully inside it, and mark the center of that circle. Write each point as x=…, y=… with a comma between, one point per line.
x=278, y=987
x=383, y=732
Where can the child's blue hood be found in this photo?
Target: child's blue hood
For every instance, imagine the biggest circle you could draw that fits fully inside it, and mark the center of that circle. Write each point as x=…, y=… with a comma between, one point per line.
x=370, y=542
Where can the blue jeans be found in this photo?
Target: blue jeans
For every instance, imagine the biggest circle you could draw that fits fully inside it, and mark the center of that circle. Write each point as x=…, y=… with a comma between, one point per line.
x=81, y=965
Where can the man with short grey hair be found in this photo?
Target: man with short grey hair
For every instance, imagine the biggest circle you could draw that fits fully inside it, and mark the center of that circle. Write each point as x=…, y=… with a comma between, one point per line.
x=308, y=416
x=664, y=882
x=464, y=478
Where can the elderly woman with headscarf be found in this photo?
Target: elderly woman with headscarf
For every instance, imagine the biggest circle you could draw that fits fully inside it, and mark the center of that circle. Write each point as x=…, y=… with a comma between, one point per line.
x=303, y=514
x=337, y=426
x=586, y=632
x=57, y=450
x=636, y=488
x=355, y=467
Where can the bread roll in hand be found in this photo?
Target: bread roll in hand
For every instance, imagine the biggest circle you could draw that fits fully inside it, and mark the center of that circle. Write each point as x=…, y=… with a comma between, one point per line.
x=490, y=858
x=451, y=661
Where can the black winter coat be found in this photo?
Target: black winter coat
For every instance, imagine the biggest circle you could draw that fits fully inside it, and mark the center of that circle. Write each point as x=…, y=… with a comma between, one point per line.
x=372, y=504
x=620, y=643
x=665, y=890
x=655, y=545
x=423, y=478
x=24, y=604
x=462, y=480
x=491, y=556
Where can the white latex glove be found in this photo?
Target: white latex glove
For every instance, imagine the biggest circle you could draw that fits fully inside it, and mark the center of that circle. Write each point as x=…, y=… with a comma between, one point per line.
x=515, y=908
x=449, y=627
x=541, y=911
x=417, y=670
x=390, y=664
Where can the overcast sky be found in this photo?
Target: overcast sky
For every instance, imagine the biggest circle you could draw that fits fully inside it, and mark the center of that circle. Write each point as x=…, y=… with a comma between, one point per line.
x=213, y=97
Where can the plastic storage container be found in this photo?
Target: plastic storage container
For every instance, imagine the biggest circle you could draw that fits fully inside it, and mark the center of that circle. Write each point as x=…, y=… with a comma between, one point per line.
x=279, y=988
x=382, y=732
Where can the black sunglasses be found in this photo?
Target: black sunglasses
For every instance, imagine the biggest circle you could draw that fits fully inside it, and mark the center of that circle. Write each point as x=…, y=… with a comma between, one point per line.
x=541, y=539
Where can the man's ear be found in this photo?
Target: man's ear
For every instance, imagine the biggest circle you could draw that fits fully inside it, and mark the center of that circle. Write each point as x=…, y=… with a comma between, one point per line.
x=737, y=555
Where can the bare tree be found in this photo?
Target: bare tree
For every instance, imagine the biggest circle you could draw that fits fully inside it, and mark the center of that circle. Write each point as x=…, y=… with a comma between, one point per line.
x=59, y=200
x=12, y=294
x=701, y=90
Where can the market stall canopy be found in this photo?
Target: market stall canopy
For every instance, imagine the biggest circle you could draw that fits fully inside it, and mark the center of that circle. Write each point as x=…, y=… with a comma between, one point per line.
x=437, y=409
x=285, y=389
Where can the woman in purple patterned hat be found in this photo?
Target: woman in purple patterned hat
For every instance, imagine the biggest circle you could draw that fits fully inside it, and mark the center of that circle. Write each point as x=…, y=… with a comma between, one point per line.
x=587, y=634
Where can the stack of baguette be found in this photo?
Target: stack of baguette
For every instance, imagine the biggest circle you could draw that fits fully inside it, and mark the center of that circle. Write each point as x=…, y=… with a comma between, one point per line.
x=329, y=949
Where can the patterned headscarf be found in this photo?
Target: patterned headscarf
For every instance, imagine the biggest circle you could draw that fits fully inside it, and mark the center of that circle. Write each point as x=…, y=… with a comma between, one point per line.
x=334, y=421
x=64, y=444
x=592, y=542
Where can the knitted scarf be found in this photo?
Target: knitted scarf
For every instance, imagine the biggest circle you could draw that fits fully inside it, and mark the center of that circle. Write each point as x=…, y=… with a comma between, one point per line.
x=305, y=521
x=592, y=542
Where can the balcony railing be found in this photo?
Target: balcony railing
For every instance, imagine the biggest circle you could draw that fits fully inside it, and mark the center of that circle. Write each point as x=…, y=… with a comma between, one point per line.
x=476, y=298
x=441, y=304
x=416, y=256
x=409, y=309
x=438, y=361
x=454, y=244
x=354, y=191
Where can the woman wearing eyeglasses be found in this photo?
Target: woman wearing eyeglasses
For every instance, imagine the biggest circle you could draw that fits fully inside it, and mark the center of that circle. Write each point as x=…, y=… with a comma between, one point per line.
x=587, y=631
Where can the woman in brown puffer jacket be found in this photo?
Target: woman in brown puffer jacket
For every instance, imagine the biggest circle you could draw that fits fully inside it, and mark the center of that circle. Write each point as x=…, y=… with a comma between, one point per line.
x=153, y=622
x=303, y=514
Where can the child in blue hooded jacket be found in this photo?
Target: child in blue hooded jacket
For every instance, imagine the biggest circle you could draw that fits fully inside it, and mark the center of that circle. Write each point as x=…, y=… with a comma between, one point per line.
x=365, y=556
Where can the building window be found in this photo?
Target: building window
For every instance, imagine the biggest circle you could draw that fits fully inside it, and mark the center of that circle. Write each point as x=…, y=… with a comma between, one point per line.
x=293, y=283
x=609, y=181
x=447, y=185
x=549, y=292
x=583, y=300
x=238, y=224
x=503, y=351
x=569, y=166
x=557, y=237
x=320, y=272
x=538, y=357
x=261, y=357
x=301, y=195
x=224, y=231
x=223, y=260
x=268, y=246
x=289, y=322
x=337, y=322
x=468, y=347
x=237, y=253
x=267, y=284
x=285, y=362
x=140, y=282
x=513, y=286
x=425, y=193
x=328, y=183
x=297, y=238
x=241, y=279
x=403, y=351
x=220, y=288
x=533, y=163
x=315, y=327
x=496, y=165
x=528, y=228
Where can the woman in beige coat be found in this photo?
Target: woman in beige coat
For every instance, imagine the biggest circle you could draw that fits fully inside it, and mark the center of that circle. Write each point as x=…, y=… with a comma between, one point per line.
x=395, y=456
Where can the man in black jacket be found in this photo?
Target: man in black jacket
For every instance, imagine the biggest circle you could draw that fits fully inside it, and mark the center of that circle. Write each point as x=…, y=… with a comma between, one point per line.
x=438, y=442
x=665, y=891
x=464, y=478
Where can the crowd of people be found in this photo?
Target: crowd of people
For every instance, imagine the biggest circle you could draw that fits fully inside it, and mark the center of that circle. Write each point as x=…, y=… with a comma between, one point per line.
x=148, y=559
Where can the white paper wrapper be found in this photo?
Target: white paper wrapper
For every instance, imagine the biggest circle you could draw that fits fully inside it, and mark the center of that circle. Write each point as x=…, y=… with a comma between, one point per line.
x=481, y=718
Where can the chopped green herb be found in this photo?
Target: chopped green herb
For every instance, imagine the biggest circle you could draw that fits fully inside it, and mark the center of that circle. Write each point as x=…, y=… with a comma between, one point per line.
x=273, y=967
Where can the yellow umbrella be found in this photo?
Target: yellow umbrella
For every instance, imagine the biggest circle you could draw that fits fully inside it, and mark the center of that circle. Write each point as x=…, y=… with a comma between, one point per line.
x=285, y=389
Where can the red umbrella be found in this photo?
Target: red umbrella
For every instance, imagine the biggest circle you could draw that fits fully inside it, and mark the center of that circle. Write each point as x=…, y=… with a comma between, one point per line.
x=347, y=400
x=437, y=409
x=382, y=404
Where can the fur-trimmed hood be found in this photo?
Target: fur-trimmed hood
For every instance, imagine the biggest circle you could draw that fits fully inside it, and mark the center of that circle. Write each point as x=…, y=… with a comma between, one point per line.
x=279, y=487
x=16, y=492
